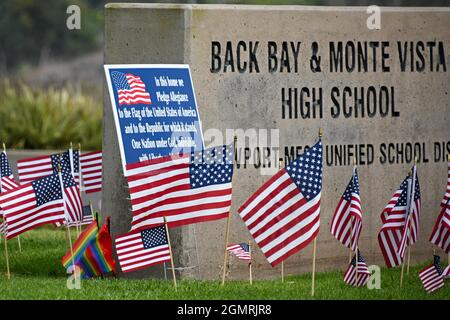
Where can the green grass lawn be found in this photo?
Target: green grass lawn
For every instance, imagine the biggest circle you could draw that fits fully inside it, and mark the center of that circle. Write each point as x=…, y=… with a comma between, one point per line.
x=38, y=274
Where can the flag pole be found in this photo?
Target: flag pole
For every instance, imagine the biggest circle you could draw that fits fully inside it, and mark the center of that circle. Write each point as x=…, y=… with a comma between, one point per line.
x=79, y=186
x=69, y=236
x=315, y=246
x=250, y=264
x=409, y=234
x=8, y=274
x=170, y=252
x=403, y=262
x=1, y=190
x=227, y=228
x=280, y=163
x=356, y=243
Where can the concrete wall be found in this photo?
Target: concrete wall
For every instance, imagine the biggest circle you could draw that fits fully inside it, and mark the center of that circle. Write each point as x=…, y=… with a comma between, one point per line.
x=152, y=33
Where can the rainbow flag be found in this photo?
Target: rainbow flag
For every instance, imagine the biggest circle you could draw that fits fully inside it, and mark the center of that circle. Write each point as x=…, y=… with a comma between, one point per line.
x=92, y=251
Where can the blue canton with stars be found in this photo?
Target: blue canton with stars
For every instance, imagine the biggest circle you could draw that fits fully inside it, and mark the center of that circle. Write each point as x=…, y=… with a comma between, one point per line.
x=47, y=189
x=352, y=187
x=437, y=263
x=306, y=171
x=360, y=259
x=245, y=247
x=154, y=237
x=403, y=199
x=211, y=166
x=4, y=166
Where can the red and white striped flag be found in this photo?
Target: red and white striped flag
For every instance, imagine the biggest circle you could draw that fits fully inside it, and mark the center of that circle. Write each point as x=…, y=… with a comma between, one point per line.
x=400, y=221
x=283, y=216
x=72, y=199
x=91, y=171
x=33, y=204
x=186, y=188
x=141, y=249
x=357, y=273
x=440, y=235
x=431, y=277
x=346, y=223
x=241, y=251
x=7, y=181
x=31, y=169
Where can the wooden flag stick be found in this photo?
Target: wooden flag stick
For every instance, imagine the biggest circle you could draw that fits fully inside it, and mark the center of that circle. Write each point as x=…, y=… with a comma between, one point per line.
x=280, y=164
x=69, y=236
x=401, y=275
x=8, y=274
x=171, y=256
x=250, y=264
x=225, y=256
x=409, y=259
x=314, y=268
x=227, y=228
x=18, y=242
x=315, y=246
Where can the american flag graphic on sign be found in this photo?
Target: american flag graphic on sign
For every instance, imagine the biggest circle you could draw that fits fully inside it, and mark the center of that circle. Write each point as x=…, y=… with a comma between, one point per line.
x=7, y=181
x=185, y=188
x=357, y=273
x=346, y=223
x=400, y=221
x=241, y=251
x=141, y=249
x=33, y=204
x=130, y=89
x=283, y=215
x=431, y=277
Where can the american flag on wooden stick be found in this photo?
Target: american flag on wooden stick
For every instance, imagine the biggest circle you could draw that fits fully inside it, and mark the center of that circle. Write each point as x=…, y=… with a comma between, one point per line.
x=431, y=277
x=130, y=89
x=91, y=171
x=141, y=249
x=346, y=223
x=186, y=188
x=283, y=215
x=241, y=251
x=440, y=235
x=33, y=204
x=400, y=221
x=39, y=167
x=357, y=273
x=7, y=178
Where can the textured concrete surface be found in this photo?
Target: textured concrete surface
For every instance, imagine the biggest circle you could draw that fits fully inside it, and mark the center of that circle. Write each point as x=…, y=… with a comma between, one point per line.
x=151, y=33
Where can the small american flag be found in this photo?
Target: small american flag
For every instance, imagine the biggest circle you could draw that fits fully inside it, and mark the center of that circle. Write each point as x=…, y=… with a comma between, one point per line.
x=241, y=251
x=7, y=178
x=283, y=215
x=130, y=89
x=346, y=223
x=431, y=277
x=39, y=167
x=185, y=188
x=91, y=171
x=88, y=215
x=72, y=198
x=357, y=273
x=141, y=249
x=400, y=221
x=446, y=272
x=440, y=235
x=33, y=204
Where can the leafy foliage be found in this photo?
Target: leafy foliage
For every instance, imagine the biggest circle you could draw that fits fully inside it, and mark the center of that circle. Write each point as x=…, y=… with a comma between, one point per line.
x=48, y=118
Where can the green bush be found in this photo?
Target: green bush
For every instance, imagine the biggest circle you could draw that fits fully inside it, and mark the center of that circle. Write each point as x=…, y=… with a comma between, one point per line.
x=48, y=118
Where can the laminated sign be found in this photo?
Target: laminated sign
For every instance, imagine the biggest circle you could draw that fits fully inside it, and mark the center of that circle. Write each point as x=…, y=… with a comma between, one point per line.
x=155, y=111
